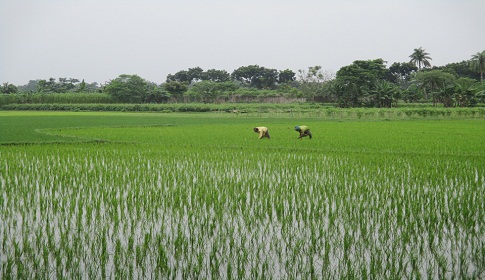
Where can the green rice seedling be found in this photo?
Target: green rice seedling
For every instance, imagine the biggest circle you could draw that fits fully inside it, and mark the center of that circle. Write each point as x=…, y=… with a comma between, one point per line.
x=363, y=199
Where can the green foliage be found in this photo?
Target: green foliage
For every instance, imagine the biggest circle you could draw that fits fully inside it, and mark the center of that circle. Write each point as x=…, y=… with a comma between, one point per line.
x=208, y=91
x=180, y=76
x=128, y=88
x=30, y=87
x=64, y=85
x=437, y=84
x=176, y=89
x=190, y=76
x=312, y=84
x=255, y=92
x=384, y=94
x=52, y=86
x=194, y=75
x=400, y=73
x=412, y=94
x=363, y=73
x=256, y=76
x=464, y=93
x=460, y=69
x=157, y=94
x=286, y=76
x=358, y=79
x=478, y=63
x=8, y=89
x=363, y=83
x=289, y=91
x=56, y=98
x=214, y=75
x=478, y=90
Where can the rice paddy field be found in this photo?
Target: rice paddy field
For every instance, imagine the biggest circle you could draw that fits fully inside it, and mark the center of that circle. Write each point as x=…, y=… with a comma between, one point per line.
x=88, y=195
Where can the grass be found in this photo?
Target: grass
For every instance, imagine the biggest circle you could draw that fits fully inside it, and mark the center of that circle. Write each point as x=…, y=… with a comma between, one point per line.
x=151, y=195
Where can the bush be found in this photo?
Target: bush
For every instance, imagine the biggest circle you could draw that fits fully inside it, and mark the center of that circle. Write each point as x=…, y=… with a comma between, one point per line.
x=55, y=98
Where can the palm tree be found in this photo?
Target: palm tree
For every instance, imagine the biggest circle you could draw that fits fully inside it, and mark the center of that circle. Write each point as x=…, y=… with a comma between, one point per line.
x=420, y=58
x=478, y=63
x=384, y=94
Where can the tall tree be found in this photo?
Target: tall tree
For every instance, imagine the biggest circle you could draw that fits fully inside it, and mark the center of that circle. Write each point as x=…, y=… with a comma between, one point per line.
x=216, y=75
x=209, y=91
x=420, y=58
x=82, y=86
x=286, y=76
x=8, y=88
x=478, y=63
x=400, y=73
x=437, y=83
x=180, y=76
x=176, y=89
x=359, y=79
x=267, y=79
x=460, y=69
x=47, y=86
x=51, y=86
x=312, y=83
x=128, y=88
x=31, y=86
x=256, y=76
x=192, y=75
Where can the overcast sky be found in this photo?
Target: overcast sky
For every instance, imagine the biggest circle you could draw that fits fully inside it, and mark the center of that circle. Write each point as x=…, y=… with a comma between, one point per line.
x=99, y=40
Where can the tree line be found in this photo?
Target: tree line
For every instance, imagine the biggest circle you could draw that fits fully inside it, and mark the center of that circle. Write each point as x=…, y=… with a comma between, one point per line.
x=364, y=83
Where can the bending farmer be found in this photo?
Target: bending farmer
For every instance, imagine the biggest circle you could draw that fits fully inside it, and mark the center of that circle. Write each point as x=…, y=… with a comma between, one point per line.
x=263, y=132
x=304, y=131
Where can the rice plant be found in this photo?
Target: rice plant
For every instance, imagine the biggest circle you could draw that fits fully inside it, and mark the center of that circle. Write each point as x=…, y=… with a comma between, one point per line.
x=208, y=207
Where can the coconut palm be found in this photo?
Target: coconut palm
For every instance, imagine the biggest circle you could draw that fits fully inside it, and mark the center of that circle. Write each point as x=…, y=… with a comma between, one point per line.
x=478, y=63
x=420, y=58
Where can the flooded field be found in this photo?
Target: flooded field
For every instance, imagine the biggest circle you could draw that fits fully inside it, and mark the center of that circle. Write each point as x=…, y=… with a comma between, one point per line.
x=360, y=200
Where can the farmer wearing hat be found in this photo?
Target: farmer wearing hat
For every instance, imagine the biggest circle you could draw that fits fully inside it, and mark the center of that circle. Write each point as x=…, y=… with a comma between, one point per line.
x=304, y=131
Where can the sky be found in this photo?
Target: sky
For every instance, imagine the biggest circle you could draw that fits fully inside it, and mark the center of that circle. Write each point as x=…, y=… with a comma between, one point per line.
x=98, y=40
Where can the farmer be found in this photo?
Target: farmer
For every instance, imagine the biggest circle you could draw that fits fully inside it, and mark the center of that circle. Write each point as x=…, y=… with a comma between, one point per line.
x=263, y=132
x=304, y=131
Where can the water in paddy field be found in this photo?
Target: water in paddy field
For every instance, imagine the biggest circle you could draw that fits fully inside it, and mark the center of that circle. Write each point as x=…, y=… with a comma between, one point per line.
x=214, y=214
